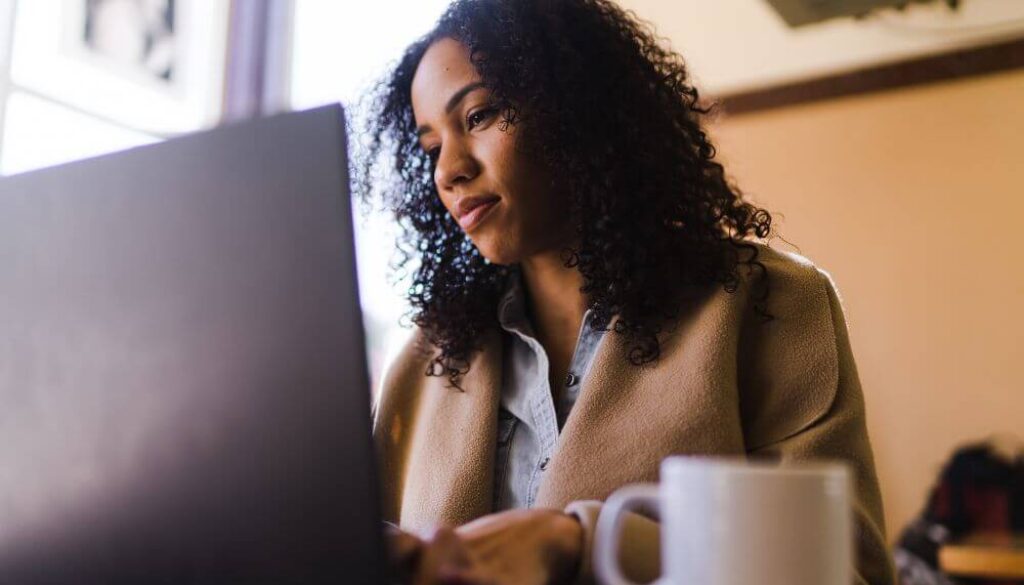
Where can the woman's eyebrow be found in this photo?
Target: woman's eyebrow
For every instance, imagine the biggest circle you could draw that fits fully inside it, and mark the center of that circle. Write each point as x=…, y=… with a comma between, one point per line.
x=452, y=102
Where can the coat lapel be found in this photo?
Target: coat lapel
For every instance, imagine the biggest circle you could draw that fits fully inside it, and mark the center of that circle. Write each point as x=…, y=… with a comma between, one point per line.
x=452, y=446
x=628, y=418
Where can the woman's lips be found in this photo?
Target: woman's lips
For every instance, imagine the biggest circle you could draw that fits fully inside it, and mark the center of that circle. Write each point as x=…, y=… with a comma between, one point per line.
x=476, y=214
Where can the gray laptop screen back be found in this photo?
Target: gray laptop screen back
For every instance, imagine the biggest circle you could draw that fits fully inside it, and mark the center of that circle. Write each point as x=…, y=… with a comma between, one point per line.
x=183, y=386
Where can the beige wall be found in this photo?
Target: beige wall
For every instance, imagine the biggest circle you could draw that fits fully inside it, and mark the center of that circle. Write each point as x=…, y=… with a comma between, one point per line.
x=737, y=45
x=913, y=200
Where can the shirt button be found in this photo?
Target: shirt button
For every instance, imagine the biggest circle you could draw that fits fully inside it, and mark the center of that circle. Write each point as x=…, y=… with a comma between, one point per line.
x=571, y=379
x=544, y=464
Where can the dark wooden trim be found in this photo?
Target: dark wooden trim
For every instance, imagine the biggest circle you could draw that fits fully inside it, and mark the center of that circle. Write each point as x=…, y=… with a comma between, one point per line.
x=954, y=65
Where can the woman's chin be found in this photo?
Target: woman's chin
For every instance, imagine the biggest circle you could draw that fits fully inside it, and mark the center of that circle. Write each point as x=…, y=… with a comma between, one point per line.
x=501, y=259
x=495, y=253
x=506, y=251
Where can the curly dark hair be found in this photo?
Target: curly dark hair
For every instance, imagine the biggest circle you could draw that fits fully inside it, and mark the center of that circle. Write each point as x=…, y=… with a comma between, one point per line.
x=599, y=99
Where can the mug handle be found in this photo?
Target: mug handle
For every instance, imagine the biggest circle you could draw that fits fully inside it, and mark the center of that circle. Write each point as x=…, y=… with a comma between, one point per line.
x=609, y=527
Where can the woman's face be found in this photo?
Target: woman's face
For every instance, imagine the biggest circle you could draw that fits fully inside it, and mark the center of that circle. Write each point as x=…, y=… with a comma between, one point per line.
x=503, y=200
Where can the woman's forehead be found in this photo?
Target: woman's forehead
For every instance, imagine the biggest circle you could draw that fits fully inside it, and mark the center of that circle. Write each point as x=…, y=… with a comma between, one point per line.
x=444, y=69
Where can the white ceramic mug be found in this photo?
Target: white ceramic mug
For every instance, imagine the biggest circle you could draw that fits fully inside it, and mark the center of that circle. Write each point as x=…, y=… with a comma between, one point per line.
x=734, y=522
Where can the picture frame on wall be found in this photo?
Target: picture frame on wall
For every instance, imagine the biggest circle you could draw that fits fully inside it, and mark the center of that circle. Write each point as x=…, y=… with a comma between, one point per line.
x=135, y=36
x=155, y=66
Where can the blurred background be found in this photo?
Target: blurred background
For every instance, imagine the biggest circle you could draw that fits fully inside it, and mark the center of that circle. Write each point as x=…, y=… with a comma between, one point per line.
x=888, y=141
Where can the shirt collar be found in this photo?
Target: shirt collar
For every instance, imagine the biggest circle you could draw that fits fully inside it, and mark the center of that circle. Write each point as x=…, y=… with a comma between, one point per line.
x=512, y=306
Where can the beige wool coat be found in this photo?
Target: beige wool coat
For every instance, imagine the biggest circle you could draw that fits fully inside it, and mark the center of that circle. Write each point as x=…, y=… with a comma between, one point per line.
x=726, y=384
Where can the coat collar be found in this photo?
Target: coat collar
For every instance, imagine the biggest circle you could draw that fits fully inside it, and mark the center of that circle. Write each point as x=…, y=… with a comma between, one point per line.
x=627, y=418
x=452, y=446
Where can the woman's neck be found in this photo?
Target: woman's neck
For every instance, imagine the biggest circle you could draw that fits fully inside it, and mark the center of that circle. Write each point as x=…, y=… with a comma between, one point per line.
x=555, y=303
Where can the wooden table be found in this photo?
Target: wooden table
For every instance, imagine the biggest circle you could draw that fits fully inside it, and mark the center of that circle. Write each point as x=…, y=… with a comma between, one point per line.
x=988, y=555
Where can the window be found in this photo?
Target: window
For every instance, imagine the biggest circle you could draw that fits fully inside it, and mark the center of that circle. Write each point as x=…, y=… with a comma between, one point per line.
x=39, y=132
x=339, y=49
x=80, y=78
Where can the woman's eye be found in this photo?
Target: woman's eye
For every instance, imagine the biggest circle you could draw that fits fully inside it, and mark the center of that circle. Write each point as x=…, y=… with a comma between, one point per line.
x=479, y=117
x=433, y=153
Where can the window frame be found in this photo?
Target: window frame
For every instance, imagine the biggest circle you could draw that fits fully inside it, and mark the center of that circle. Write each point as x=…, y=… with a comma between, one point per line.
x=255, y=77
x=6, y=46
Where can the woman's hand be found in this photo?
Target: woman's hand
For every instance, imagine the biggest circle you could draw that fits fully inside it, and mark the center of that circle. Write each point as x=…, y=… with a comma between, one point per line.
x=522, y=547
x=405, y=552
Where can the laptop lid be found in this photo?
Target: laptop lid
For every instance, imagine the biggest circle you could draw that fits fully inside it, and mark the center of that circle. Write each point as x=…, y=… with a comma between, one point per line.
x=183, y=387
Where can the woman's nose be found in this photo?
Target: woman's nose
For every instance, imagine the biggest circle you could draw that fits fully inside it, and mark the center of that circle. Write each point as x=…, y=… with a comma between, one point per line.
x=455, y=165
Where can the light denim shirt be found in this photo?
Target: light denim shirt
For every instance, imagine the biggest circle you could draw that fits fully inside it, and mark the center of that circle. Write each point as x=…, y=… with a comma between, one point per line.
x=529, y=419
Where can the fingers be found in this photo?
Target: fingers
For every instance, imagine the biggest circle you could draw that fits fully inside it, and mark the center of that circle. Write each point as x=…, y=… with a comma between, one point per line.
x=405, y=550
x=445, y=560
x=405, y=547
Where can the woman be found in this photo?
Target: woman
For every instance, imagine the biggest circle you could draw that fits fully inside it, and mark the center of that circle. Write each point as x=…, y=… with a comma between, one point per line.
x=587, y=298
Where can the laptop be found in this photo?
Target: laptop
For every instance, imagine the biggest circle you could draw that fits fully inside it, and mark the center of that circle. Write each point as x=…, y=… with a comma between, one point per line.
x=184, y=395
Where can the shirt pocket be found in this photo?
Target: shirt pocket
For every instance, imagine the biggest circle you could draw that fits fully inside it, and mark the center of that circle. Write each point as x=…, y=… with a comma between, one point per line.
x=507, y=423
